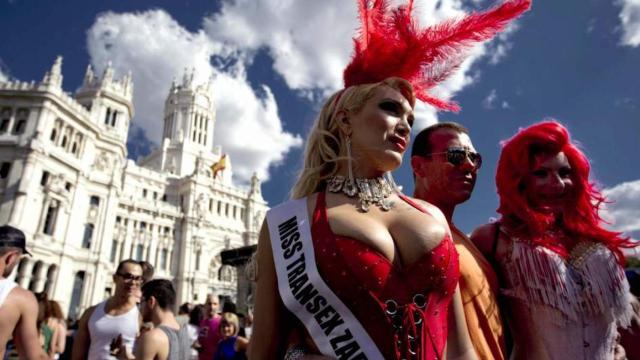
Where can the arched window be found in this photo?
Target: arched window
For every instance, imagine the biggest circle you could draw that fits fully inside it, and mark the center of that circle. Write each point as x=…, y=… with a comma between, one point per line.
x=35, y=272
x=76, y=295
x=54, y=135
x=227, y=273
x=164, y=255
x=4, y=125
x=139, y=251
x=88, y=235
x=20, y=126
x=51, y=274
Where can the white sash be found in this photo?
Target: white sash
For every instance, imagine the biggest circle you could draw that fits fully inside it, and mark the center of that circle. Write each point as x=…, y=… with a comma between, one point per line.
x=334, y=329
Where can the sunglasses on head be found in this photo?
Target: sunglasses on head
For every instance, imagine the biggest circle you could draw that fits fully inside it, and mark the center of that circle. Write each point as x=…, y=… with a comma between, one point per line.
x=457, y=155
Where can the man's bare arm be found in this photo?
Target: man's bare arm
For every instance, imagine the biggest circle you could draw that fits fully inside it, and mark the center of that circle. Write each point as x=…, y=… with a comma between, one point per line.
x=150, y=344
x=26, y=331
x=82, y=340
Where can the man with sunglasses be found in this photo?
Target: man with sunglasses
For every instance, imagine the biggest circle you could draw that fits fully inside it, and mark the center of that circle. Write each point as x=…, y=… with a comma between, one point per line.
x=118, y=315
x=445, y=165
x=18, y=307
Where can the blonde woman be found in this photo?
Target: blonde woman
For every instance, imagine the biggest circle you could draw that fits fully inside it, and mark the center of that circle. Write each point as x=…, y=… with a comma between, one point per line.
x=231, y=346
x=388, y=258
x=350, y=267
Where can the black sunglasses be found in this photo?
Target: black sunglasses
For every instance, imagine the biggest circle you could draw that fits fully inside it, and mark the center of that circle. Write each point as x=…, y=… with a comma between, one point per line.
x=130, y=277
x=457, y=156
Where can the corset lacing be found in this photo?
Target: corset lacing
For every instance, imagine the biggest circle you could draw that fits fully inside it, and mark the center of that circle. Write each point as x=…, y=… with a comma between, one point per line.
x=407, y=327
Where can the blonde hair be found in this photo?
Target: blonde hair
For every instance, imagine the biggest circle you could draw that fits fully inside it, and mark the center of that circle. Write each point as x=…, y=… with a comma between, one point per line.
x=322, y=152
x=232, y=319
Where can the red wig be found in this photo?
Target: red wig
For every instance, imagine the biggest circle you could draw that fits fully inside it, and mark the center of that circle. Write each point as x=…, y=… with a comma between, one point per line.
x=580, y=220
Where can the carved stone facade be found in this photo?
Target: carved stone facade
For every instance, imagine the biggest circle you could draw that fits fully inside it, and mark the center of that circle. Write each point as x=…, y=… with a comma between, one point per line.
x=65, y=180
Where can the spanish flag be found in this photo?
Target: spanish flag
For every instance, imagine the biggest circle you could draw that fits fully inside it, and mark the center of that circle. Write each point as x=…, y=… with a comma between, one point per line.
x=219, y=166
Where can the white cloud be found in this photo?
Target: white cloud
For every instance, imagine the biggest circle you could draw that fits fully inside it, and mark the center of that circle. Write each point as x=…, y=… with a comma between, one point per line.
x=4, y=76
x=591, y=26
x=311, y=41
x=630, y=19
x=157, y=49
x=250, y=131
x=624, y=211
x=490, y=100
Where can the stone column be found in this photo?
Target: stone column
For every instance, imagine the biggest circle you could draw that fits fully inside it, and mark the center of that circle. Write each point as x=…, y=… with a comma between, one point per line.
x=24, y=278
x=50, y=280
x=23, y=188
x=40, y=278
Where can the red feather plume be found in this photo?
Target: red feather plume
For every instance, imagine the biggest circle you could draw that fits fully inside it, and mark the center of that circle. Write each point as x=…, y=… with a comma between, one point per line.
x=391, y=44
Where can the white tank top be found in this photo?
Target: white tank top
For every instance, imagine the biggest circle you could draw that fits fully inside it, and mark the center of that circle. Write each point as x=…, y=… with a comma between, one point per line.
x=6, y=286
x=103, y=328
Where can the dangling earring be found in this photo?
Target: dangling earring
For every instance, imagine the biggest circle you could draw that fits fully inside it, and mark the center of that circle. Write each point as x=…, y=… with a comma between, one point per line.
x=350, y=186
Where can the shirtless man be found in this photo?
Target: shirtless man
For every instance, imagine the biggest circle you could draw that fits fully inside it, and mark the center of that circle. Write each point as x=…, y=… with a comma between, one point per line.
x=18, y=307
x=118, y=315
x=445, y=166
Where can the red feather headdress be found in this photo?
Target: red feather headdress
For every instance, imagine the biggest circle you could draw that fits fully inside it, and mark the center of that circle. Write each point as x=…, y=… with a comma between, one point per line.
x=392, y=45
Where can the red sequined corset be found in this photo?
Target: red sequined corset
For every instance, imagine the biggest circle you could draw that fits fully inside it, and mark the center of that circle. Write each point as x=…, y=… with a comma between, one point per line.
x=404, y=310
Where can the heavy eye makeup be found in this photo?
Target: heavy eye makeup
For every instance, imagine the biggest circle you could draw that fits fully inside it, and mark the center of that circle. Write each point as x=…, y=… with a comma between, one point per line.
x=395, y=108
x=564, y=172
x=539, y=173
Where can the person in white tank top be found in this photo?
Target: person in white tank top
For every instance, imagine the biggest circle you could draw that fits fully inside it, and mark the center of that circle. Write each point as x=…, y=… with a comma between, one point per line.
x=118, y=315
x=18, y=307
x=168, y=340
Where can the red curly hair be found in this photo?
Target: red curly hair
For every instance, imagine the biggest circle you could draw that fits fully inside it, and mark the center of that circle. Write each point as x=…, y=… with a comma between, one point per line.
x=580, y=220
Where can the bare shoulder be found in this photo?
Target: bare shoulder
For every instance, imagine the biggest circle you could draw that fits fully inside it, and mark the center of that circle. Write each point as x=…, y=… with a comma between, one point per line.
x=151, y=342
x=84, y=318
x=483, y=237
x=242, y=341
x=25, y=299
x=87, y=313
x=432, y=209
x=154, y=335
x=311, y=203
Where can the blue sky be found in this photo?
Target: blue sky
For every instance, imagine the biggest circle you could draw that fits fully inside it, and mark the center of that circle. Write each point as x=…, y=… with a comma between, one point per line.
x=274, y=62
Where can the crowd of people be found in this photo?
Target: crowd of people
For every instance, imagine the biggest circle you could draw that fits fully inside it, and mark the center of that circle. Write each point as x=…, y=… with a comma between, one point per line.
x=138, y=322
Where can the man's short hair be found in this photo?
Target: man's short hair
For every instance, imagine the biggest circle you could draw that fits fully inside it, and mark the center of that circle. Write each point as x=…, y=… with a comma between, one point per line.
x=128, y=261
x=184, y=308
x=162, y=290
x=147, y=270
x=422, y=142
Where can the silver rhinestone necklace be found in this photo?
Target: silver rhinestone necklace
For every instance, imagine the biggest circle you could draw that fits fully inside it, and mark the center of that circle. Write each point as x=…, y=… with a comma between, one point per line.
x=369, y=191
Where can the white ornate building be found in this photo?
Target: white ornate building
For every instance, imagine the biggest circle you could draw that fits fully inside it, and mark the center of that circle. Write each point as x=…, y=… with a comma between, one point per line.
x=66, y=182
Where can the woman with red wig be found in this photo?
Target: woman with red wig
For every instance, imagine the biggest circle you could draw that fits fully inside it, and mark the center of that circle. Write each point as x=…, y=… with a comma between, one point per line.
x=561, y=271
